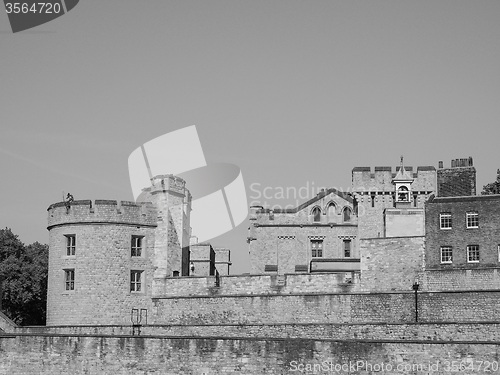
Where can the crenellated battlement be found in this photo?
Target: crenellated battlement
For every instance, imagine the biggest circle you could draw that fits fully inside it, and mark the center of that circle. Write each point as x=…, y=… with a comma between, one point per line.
x=166, y=183
x=364, y=179
x=101, y=211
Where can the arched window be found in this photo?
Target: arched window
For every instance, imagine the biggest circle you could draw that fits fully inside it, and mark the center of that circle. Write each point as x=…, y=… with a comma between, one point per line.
x=347, y=214
x=403, y=194
x=316, y=213
x=330, y=212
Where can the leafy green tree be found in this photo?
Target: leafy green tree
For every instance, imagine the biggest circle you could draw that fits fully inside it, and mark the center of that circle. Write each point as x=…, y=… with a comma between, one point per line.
x=492, y=188
x=23, y=272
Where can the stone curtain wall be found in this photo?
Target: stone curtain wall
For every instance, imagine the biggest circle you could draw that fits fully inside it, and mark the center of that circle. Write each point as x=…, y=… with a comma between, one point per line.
x=372, y=331
x=329, y=308
x=391, y=263
x=256, y=284
x=173, y=356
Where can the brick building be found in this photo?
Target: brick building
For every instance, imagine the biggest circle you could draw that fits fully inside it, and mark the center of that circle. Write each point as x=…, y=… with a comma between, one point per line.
x=463, y=232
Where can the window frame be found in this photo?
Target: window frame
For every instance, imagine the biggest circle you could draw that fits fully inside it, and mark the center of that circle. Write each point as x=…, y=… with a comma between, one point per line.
x=403, y=194
x=316, y=214
x=442, y=249
x=476, y=250
x=470, y=217
x=69, y=282
x=442, y=217
x=346, y=215
x=317, y=252
x=70, y=245
x=136, y=285
x=347, y=251
x=137, y=249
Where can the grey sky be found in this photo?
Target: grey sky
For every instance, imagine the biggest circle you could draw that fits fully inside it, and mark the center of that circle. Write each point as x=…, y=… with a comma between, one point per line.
x=293, y=92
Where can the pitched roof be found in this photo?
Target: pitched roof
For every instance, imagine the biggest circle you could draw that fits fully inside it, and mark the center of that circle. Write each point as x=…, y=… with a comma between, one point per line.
x=320, y=195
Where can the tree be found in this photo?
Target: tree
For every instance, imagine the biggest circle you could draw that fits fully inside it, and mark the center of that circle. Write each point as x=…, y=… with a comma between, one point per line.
x=23, y=272
x=492, y=188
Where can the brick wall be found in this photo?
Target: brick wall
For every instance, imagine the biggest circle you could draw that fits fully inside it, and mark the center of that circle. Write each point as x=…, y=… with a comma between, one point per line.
x=454, y=182
x=460, y=279
x=172, y=356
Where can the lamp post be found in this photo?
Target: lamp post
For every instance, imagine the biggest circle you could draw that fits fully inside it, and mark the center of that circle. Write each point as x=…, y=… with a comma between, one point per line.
x=415, y=288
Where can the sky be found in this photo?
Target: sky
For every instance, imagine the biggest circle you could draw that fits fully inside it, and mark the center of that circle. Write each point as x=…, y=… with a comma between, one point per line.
x=295, y=93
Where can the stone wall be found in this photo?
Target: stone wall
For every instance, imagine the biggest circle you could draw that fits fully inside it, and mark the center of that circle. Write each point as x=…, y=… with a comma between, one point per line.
x=487, y=331
x=173, y=356
x=102, y=265
x=374, y=192
x=281, y=238
x=391, y=263
x=257, y=284
x=290, y=246
x=404, y=222
x=6, y=324
x=465, y=306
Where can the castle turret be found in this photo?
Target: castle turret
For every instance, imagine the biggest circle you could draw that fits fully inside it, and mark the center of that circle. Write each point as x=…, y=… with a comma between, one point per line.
x=100, y=261
x=107, y=257
x=172, y=199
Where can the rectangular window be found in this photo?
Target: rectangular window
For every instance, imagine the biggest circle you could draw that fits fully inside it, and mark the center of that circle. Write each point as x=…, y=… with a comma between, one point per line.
x=69, y=279
x=136, y=246
x=136, y=281
x=473, y=253
x=445, y=221
x=347, y=248
x=70, y=244
x=317, y=248
x=446, y=254
x=472, y=220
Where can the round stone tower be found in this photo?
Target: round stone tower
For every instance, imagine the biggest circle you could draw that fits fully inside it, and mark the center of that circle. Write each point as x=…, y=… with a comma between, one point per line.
x=106, y=256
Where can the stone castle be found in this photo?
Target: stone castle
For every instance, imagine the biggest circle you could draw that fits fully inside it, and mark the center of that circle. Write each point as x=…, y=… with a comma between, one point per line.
x=401, y=271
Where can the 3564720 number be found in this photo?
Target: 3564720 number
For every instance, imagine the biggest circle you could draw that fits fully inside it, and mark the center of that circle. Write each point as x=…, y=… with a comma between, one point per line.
x=25, y=8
